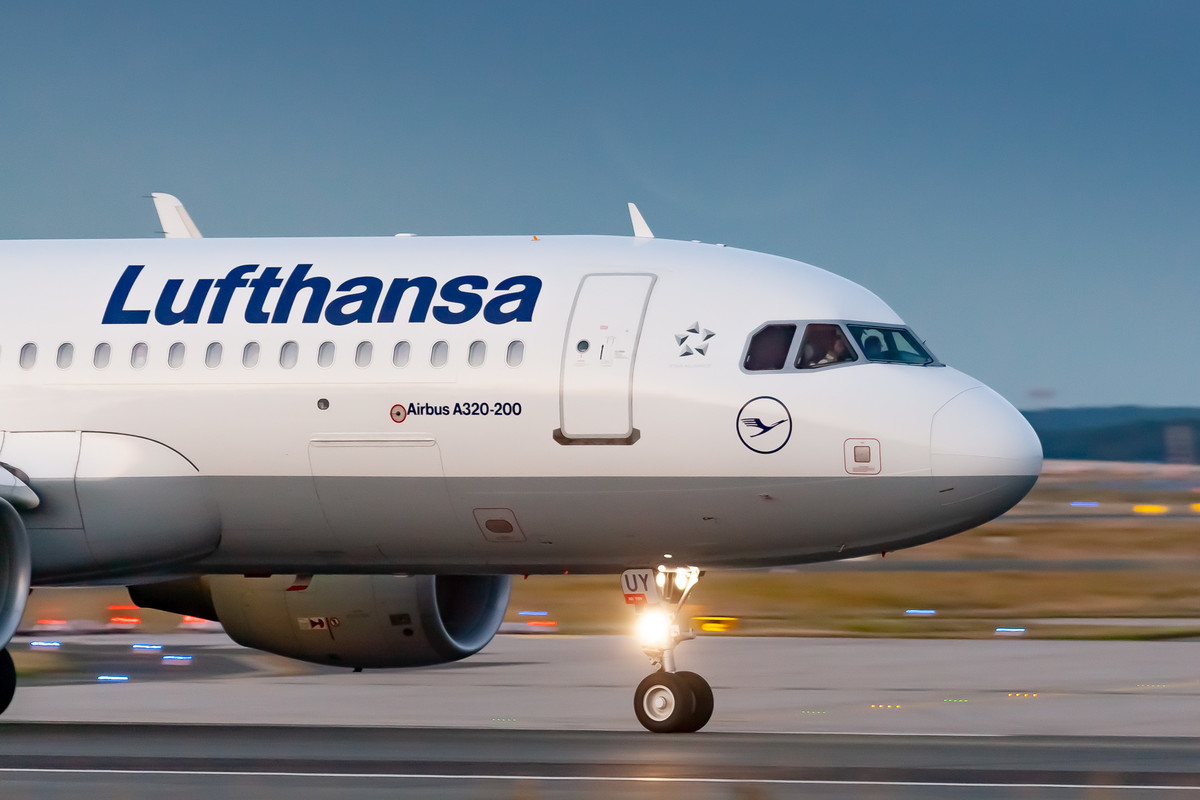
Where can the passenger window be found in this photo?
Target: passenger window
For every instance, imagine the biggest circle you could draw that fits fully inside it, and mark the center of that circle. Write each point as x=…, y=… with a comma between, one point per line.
x=824, y=345
x=28, y=356
x=139, y=356
x=890, y=345
x=440, y=354
x=212, y=356
x=769, y=347
x=250, y=355
x=102, y=356
x=289, y=355
x=400, y=354
x=362, y=356
x=325, y=354
x=476, y=354
x=175, y=356
x=66, y=354
x=516, y=353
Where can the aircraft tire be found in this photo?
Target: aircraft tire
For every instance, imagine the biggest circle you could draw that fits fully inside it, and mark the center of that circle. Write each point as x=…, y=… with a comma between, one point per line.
x=8, y=679
x=665, y=703
x=703, y=693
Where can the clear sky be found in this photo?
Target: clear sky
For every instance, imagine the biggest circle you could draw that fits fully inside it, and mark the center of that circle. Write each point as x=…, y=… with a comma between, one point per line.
x=1019, y=180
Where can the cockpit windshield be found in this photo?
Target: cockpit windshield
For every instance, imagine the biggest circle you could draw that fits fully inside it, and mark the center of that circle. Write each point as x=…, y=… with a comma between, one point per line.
x=890, y=345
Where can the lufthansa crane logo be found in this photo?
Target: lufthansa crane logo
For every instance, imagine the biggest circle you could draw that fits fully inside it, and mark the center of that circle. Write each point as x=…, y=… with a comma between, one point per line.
x=764, y=425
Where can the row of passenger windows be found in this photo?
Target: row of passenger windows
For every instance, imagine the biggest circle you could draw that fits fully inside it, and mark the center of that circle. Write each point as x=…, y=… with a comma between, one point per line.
x=825, y=344
x=289, y=355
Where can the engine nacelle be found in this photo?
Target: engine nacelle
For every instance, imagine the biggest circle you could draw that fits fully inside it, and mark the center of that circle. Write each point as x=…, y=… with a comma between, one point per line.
x=15, y=568
x=345, y=620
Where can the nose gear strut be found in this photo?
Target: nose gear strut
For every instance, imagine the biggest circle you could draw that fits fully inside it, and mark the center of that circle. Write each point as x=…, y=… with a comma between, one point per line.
x=666, y=701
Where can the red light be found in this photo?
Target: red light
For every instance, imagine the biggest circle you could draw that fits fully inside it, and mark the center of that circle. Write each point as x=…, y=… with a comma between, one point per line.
x=542, y=623
x=123, y=608
x=194, y=620
x=51, y=622
x=125, y=621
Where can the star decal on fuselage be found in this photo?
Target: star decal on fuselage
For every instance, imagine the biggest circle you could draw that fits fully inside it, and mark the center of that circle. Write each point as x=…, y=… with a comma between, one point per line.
x=694, y=341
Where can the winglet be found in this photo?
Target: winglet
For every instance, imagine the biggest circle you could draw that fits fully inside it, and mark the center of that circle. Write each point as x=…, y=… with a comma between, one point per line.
x=173, y=217
x=640, y=229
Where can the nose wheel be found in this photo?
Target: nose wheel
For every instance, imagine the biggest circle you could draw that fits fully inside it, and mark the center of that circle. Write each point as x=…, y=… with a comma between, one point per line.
x=666, y=701
x=8, y=679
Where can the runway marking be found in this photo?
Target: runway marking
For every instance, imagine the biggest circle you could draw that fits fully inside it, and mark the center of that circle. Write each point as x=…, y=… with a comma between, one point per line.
x=591, y=779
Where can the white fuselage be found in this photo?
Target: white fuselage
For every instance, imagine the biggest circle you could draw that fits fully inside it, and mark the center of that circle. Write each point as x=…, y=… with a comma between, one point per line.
x=454, y=422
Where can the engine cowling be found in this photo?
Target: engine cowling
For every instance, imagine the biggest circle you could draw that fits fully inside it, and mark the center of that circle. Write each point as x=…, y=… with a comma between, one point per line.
x=372, y=621
x=15, y=568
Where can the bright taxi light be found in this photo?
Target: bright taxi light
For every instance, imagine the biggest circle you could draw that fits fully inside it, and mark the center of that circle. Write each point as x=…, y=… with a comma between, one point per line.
x=654, y=629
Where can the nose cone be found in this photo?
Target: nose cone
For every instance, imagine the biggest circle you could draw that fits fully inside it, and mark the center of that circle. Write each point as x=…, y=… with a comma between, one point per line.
x=983, y=452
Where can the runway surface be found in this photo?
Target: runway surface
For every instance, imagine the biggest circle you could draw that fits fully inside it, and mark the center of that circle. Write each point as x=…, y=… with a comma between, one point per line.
x=535, y=717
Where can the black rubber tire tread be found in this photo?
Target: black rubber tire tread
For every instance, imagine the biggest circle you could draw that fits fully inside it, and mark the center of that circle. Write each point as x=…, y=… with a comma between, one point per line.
x=8, y=679
x=685, y=703
x=703, y=693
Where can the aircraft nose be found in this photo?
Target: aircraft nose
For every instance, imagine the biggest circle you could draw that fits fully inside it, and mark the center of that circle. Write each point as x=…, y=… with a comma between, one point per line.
x=980, y=446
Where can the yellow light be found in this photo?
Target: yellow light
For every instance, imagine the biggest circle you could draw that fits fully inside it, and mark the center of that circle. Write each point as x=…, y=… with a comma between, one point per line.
x=1196, y=507
x=1150, y=509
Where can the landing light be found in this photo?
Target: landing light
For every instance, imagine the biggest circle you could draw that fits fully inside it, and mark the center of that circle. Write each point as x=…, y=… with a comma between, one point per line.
x=654, y=629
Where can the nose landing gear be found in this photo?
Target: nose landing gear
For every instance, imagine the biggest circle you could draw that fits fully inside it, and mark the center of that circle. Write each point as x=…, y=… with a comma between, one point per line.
x=666, y=701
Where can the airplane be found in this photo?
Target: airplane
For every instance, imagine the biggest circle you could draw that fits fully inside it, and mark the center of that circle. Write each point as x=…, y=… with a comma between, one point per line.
x=342, y=448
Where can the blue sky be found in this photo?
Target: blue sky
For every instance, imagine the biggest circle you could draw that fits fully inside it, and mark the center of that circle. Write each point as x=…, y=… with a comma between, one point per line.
x=1019, y=180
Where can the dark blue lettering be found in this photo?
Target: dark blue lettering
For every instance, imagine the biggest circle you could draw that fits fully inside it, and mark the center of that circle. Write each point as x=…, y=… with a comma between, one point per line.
x=225, y=288
x=116, y=313
x=525, y=299
x=426, y=287
x=296, y=282
x=452, y=292
x=260, y=287
x=164, y=311
x=366, y=300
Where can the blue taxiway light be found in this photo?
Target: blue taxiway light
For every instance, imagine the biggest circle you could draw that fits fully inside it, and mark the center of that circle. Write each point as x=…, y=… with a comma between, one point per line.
x=1085, y=504
x=45, y=644
x=112, y=678
x=921, y=612
x=147, y=646
x=1010, y=630
x=177, y=658
x=533, y=613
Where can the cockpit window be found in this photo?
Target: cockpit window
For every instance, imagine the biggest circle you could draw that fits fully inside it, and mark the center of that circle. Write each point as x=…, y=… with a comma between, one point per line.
x=769, y=347
x=890, y=345
x=824, y=345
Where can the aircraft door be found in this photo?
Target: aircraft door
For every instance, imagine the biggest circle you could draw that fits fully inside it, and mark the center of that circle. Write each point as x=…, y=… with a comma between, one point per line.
x=596, y=396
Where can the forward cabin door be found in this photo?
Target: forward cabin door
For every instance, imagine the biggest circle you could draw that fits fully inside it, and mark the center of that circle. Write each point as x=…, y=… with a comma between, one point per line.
x=596, y=398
